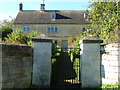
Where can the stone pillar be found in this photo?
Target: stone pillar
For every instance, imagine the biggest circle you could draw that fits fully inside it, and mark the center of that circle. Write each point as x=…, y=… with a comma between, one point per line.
x=90, y=62
x=41, y=62
x=0, y=67
x=110, y=64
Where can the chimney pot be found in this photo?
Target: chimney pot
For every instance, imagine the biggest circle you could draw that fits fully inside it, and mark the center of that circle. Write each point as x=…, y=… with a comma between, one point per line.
x=42, y=7
x=21, y=7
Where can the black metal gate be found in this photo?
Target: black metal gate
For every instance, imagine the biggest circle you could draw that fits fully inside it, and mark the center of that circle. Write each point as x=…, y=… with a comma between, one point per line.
x=66, y=68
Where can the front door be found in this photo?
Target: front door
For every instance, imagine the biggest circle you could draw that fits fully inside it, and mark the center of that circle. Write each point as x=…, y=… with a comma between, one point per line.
x=64, y=45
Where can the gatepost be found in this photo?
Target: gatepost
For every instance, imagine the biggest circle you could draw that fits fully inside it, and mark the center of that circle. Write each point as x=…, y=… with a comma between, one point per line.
x=90, y=62
x=41, y=62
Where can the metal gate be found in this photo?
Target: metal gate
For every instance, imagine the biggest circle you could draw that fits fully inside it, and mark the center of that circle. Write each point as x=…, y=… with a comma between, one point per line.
x=66, y=68
x=64, y=45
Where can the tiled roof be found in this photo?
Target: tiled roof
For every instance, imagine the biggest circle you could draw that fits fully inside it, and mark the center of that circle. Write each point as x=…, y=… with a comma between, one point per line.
x=44, y=17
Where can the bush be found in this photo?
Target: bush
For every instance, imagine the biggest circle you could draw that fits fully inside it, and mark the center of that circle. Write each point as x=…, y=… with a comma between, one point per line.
x=54, y=48
x=18, y=37
x=4, y=30
x=31, y=35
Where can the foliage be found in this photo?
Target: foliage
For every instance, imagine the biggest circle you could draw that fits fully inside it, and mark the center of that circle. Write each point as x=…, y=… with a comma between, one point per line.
x=8, y=23
x=31, y=35
x=5, y=31
x=110, y=86
x=18, y=37
x=6, y=28
x=104, y=18
x=54, y=48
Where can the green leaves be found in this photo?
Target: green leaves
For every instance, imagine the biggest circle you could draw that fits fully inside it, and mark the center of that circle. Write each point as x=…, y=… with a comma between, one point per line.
x=105, y=17
x=18, y=37
x=4, y=30
x=31, y=35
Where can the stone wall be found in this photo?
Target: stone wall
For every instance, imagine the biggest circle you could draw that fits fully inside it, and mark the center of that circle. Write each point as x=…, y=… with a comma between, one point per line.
x=110, y=63
x=16, y=66
x=63, y=29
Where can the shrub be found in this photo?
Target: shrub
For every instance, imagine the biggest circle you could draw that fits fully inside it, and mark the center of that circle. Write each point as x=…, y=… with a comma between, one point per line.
x=4, y=30
x=31, y=35
x=18, y=37
x=54, y=48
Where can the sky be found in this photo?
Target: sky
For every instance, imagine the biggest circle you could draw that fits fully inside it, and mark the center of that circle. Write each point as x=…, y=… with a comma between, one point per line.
x=10, y=8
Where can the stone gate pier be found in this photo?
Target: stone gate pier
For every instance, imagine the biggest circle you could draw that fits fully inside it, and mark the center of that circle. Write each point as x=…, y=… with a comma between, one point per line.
x=90, y=61
x=41, y=62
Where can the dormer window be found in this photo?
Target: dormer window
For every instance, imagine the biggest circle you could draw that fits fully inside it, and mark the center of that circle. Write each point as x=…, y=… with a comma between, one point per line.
x=84, y=29
x=86, y=15
x=53, y=16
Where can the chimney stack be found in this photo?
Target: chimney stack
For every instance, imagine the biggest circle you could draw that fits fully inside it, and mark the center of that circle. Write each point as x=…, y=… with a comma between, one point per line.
x=42, y=7
x=21, y=7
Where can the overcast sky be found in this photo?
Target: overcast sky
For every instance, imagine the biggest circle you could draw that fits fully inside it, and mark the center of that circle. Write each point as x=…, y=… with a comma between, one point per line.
x=10, y=8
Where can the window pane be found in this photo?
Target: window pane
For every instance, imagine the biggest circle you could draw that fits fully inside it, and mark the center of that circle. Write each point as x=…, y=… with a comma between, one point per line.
x=56, y=29
x=52, y=29
x=26, y=28
x=53, y=15
x=49, y=29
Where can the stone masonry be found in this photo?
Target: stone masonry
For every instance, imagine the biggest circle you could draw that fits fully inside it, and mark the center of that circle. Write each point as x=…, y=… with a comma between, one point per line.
x=110, y=64
x=90, y=62
x=16, y=66
x=42, y=62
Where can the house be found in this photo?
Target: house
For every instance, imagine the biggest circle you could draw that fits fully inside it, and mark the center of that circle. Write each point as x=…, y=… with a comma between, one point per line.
x=62, y=25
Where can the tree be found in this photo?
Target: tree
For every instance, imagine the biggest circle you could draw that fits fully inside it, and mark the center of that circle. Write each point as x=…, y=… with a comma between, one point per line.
x=105, y=19
x=6, y=28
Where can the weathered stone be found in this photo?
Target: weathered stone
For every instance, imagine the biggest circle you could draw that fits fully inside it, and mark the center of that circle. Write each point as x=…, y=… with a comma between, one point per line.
x=42, y=64
x=110, y=64
x=90, y=62
x=17, y=85
x=16, y=66
x=27, y=59
x=0, y=85
x=16, y=70
x=28, y=69
x=7, y=85
x=91, y=39
x=27, y=64
x=109, y=81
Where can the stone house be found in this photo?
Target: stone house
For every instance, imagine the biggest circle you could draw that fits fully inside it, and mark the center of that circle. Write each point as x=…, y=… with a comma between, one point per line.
x=62, y=25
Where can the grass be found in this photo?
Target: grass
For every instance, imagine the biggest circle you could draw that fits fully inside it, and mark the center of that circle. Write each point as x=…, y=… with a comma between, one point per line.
x=116, y=86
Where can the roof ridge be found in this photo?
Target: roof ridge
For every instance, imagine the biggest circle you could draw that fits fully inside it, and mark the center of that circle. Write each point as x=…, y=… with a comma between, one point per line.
x=51, y=10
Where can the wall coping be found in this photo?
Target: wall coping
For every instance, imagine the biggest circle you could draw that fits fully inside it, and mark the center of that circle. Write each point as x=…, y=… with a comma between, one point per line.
x=20, y=45
x=41, y=40
x=91, y=39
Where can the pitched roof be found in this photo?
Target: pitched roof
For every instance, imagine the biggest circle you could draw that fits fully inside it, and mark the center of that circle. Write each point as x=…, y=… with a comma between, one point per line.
x=44, y=17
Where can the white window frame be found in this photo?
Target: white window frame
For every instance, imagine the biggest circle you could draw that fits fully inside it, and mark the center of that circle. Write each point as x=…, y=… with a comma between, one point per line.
x=53, y=16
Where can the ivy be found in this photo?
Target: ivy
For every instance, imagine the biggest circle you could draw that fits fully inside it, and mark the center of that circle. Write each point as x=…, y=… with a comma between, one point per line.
x=104, y=19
